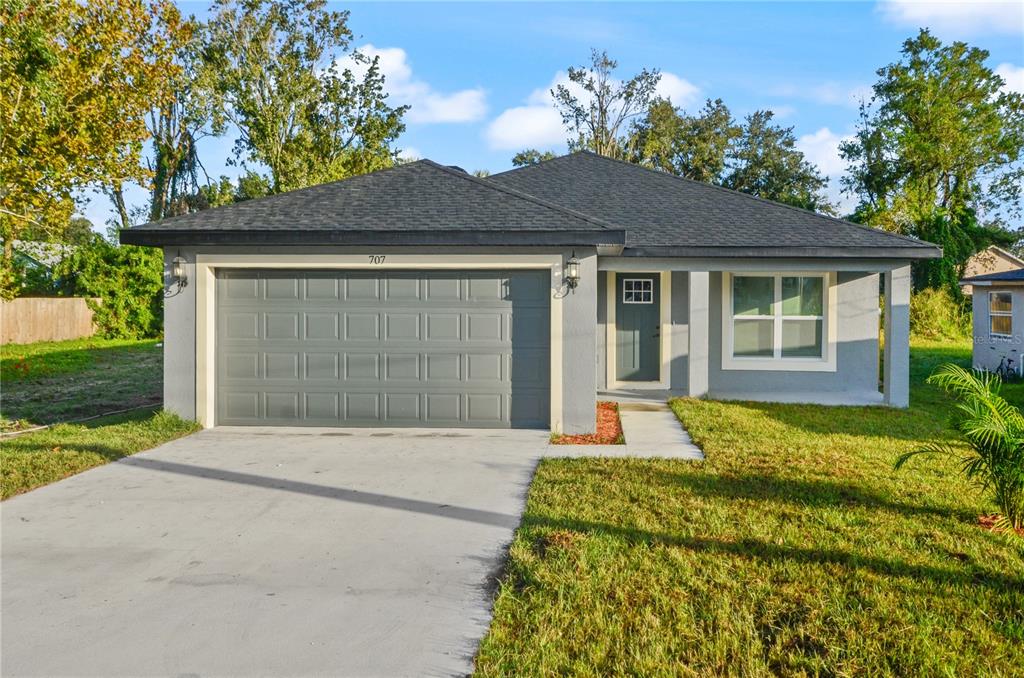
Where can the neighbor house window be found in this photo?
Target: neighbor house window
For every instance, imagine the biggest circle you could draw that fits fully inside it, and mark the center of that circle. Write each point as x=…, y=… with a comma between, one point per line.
x=778, y=317
x=1000, y=314
x=638, y=291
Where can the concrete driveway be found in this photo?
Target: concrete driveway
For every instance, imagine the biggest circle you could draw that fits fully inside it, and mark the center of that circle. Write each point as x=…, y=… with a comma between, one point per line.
x=266, y=552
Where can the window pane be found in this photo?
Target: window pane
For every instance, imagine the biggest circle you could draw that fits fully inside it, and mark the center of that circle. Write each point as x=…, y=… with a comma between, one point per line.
x=752, y=295
x=801, y=338
x=801, y=296
x=1002, y=324
x=753, y=338
x=1000, y=301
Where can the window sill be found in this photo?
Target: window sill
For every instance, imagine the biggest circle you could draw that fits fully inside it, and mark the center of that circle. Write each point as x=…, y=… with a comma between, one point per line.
x=779, y=364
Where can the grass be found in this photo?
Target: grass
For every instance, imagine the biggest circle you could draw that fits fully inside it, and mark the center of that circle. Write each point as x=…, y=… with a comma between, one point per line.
x=794, y=549
x=42, y=457
x=48, y=382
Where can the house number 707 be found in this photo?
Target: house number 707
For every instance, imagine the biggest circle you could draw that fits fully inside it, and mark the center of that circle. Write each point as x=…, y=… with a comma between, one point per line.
x=377, y=258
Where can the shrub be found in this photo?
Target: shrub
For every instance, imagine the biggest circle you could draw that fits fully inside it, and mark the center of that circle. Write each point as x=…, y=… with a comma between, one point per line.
x=935, y=314
x=994, y=432
x=128, y=281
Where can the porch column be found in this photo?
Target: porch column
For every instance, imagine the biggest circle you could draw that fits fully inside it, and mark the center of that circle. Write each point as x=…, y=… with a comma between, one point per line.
x=699, y=326
x=896, y=379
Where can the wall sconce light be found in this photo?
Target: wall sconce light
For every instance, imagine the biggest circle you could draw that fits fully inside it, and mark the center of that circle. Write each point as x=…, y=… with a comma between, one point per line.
x=572, y=271
x=178, y=271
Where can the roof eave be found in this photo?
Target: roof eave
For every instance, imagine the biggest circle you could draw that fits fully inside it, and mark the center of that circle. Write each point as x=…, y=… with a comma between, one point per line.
x=155, y=237
x=754, y=252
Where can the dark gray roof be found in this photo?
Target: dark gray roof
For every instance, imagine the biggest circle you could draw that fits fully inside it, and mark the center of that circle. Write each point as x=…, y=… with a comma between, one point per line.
x=578, y=199
x=662, y=212
x=1016, y=275
x=422, y=197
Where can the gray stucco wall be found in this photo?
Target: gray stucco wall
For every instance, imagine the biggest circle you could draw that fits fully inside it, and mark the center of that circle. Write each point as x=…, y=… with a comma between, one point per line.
x=180, y=338
x=601, y=346
x=857, y=347
x=579, y=340
x=989, y=350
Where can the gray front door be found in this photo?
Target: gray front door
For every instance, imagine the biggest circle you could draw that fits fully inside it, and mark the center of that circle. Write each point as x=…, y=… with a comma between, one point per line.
x=637, y=327
x=397, y=348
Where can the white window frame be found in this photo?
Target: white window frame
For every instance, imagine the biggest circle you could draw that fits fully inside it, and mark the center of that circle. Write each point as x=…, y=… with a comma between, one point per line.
x=826, y=363
x=646, y=288
x=1007, y=314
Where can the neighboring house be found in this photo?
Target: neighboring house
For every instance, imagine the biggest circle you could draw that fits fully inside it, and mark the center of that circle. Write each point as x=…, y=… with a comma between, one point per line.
x=990, y=260
x=998, y=320
x=423, y=296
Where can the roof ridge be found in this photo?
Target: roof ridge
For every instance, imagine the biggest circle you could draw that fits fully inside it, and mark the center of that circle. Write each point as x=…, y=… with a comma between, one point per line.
x=522, y=195
x=731, y=191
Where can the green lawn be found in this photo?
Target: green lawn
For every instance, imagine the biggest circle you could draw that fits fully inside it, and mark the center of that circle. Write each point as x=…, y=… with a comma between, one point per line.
x=41, y=457
x=58, y=381
x=794, y=549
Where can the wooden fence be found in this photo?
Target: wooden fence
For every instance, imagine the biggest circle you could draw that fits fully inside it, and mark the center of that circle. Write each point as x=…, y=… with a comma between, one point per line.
x=27, y=319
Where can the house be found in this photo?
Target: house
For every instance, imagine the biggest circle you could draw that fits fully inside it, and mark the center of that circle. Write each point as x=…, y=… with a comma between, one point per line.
x=423, y=296
x=998, y=306
x=992, y=259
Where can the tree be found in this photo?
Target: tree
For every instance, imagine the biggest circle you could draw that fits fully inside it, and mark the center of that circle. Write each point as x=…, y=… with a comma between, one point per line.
x=695, y=147
x=77, y=79
x=597, y=109
x=937, y=154
x=531, y=156
x=765, y=162
x=178, y=122
x=273, y=66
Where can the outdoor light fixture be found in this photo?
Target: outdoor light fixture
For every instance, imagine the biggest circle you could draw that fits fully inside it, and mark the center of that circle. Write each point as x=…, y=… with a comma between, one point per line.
x=178, y=271
x=572, y=271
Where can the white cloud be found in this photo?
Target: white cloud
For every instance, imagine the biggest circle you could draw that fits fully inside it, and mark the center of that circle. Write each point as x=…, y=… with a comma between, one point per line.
x=410, y=153
x=681, y=92
x=822, y=149
x=1013, y=75
x=533, y=126
x=538, y=124
x=958, y=18
x=426, y=104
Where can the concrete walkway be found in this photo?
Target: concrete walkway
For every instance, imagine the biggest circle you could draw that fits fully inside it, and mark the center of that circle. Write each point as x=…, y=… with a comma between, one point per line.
x=651, y=429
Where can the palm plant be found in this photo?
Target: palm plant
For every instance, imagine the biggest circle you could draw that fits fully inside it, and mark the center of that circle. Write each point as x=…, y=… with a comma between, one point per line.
x=994, y=432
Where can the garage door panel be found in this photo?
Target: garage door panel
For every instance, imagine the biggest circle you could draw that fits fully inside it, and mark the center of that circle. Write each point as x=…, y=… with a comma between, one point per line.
x=321, y=406
x=343, y=348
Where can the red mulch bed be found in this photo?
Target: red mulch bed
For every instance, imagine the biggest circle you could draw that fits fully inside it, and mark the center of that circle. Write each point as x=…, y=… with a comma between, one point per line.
x=989, y=523
x=609, y=429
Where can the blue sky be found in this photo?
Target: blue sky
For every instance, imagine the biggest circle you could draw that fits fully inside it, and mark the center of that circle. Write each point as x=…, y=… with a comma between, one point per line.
x=477, y=75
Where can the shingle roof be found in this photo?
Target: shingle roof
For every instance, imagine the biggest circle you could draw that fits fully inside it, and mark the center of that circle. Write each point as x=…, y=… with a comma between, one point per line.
x=660, y=210
x=419, y=196
x=1016, y=275
x=577, y=199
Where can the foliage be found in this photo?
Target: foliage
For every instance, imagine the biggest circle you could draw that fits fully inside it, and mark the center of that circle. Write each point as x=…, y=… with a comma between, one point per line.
x=936, y=314
x=792, y=550
x=691, y=146
x=77, y=80
x=596, y=109
x=938, y=150
x=765, y=162
x=531, y=156
x=274, y=69
x=128, y=280
x=994, y=432
x=42, y=457
x=755, y=157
